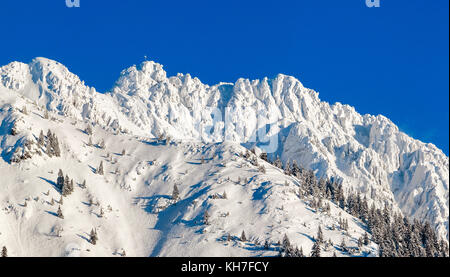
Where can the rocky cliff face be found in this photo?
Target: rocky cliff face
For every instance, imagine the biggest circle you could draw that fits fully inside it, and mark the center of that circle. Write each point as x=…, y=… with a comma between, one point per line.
x=280, y=116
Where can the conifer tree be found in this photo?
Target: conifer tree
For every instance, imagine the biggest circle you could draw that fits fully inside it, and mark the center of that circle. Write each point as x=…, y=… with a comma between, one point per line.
x=263, y=156
x=100, y=168
x=66, y=187
x=206, y=218
x=175, y=193
x=320, y=235
x=41, y=139
x=93, y=237
x=278, y=163
x=315, y=251
x=360, y=242
x=55, y=146
x=59, y=213
x=4, y=252
x=60, y=179
x=102, y=144
x=343, y=245
x=243, y=237
x=300, y=253
x=366, y=239
x=287, y=168
x=88, y=130
x=286, y=243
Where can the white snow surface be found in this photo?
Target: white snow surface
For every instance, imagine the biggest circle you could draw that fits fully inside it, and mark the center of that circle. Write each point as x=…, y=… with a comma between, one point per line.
x=367, y=152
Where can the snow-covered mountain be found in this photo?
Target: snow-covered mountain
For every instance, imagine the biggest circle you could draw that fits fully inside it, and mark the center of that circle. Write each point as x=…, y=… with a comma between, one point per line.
x=279, y=116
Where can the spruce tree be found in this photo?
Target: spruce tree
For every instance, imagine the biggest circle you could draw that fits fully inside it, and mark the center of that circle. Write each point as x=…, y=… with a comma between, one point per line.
x=320, y=235
x=60, y=180
x=366, y=239
x=93, y=237
x=243, y=237
x=100, y=168
x=300, y=254
x=55, y=146
x=66, y=187
x=4, y=252
x=41, y=139
x=286, y=243
x=206, y=218
x=278, y=163
x=88, y=130
x=343, y=245
x=175, y=193
x=315, y=251
x=59, y=213
x=263, y=156
x=102, y=144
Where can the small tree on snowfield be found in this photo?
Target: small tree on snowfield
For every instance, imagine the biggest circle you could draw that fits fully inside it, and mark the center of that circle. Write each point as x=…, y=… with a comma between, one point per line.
x=175, y=193
x=243, y=237
x=315, y=251
x=59, y=213
x=60, y=179
x=206, y=218
x=365, y=239
x=100, y=168
x=93, y=237
x=4, y=252
x=88, y=130
x=286, y=243
x=41, y=139
x=320, y=235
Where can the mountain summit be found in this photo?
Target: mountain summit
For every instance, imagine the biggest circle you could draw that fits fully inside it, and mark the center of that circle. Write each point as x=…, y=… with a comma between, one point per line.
x=366, y=154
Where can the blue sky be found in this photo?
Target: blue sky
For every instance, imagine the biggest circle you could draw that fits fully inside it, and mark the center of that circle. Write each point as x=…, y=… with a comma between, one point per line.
x=391, y=60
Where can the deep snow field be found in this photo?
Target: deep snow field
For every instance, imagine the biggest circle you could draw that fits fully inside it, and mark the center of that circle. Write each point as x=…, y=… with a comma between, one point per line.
x=139, y=214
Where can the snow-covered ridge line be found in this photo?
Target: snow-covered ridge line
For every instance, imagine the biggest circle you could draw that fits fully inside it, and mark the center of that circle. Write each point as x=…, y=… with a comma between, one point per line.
x=368, y=152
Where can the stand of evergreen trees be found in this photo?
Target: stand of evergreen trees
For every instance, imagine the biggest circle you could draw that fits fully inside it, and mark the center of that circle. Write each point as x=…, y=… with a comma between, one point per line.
x=395, y=235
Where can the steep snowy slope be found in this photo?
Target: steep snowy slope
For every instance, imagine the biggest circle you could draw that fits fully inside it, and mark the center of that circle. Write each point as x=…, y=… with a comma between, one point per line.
x=367, y=152
x=130, y=205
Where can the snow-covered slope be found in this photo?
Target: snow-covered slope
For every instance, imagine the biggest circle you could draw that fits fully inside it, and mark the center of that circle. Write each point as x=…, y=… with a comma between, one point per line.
x=367, y=152
x=135, y=191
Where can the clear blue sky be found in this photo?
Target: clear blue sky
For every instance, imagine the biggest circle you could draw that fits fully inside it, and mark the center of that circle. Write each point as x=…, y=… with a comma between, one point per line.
x=392, y=60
